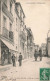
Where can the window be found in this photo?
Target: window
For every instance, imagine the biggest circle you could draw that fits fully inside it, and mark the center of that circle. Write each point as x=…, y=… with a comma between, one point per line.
x=4, y=21
x=10, y=27
x=10, y=7
x=5, y=1
x=16, y=47
x=16, y=25
x=16, y=21
x=20, y=14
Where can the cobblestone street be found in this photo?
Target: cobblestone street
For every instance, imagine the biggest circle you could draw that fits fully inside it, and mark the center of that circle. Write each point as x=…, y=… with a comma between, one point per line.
x=29, y=70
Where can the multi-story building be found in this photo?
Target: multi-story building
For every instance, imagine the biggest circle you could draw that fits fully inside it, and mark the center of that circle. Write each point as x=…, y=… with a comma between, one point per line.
x=43, y=48
x=30, y=43
x=7, y=30
x=22, y=32
x=13, y=31
x=48, y=46
x=25, y=46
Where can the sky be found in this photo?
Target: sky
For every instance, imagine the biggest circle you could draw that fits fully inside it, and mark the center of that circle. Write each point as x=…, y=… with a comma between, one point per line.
x=37, y=14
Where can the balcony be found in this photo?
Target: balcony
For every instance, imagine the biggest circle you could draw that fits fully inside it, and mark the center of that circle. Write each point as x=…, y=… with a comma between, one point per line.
x=7, y=13
x=22, y=35
x=7, y=34
x=5, y=5
x=11, y=36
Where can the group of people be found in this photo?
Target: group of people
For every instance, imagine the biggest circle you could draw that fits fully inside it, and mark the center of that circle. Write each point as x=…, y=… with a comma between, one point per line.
x=10, y=58
x=19, y=60
x=38, y=54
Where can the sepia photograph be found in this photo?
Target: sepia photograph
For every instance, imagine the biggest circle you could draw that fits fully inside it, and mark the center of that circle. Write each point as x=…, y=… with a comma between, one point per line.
x=24, y=40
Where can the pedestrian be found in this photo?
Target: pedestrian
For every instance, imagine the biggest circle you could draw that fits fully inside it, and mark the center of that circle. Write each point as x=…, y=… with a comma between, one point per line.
x=35, y=55
x=13, y=60
x=9, y=57
x=2, y=58
x=20, y=60
x=40, y=53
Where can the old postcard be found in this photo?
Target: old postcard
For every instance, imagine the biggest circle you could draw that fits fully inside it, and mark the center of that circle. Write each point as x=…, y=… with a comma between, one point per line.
x=24, y=40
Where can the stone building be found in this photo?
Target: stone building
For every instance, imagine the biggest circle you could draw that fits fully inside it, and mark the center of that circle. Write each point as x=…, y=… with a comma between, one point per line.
x=14, y=36
x=30, y=43
x=43, y=48
x=48, y=43
x=7, y=30
x=22, y=33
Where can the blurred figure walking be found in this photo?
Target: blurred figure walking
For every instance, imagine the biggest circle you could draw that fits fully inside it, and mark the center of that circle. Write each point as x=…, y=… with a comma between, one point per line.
x=40, y=54
x=20, y=59
x=35, y=55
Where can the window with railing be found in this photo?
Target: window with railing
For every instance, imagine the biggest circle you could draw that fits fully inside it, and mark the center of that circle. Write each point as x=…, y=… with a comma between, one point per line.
x=7, y=34
x=10, y=32
x=11, y=7
x=10, y=27
x=5, y=2
x=4, y=22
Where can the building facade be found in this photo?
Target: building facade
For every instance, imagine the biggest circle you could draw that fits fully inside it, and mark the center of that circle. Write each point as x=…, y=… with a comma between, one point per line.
x=43, y=48
x=7, y=27
x=22, y=30
x=30, y=43
x=48, y=43
x=48, y=46
x=14, y=35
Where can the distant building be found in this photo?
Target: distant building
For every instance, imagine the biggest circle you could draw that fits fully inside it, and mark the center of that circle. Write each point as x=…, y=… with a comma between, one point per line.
x=48, y=43
x=48, y=46
x=43, y=48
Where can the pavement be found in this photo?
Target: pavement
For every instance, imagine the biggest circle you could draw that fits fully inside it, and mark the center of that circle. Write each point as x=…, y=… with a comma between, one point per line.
x=28, y=71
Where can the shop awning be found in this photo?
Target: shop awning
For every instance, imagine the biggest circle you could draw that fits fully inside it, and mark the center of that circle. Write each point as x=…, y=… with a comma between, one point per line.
x=8, y=44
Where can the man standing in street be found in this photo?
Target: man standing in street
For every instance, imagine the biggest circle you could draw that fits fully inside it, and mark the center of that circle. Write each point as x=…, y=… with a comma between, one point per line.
x=35, y=55
x=13, y=59
x=20, y=59
x=2, y=58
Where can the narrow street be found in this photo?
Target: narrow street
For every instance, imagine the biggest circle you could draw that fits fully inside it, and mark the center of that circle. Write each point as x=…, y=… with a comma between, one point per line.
x=29, y=70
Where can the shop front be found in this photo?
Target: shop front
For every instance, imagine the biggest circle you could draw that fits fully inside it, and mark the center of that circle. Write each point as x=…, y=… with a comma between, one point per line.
x=7, y=49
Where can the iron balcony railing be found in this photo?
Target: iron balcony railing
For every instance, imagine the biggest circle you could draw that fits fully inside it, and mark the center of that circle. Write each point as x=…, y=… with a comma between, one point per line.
x=8, y=34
